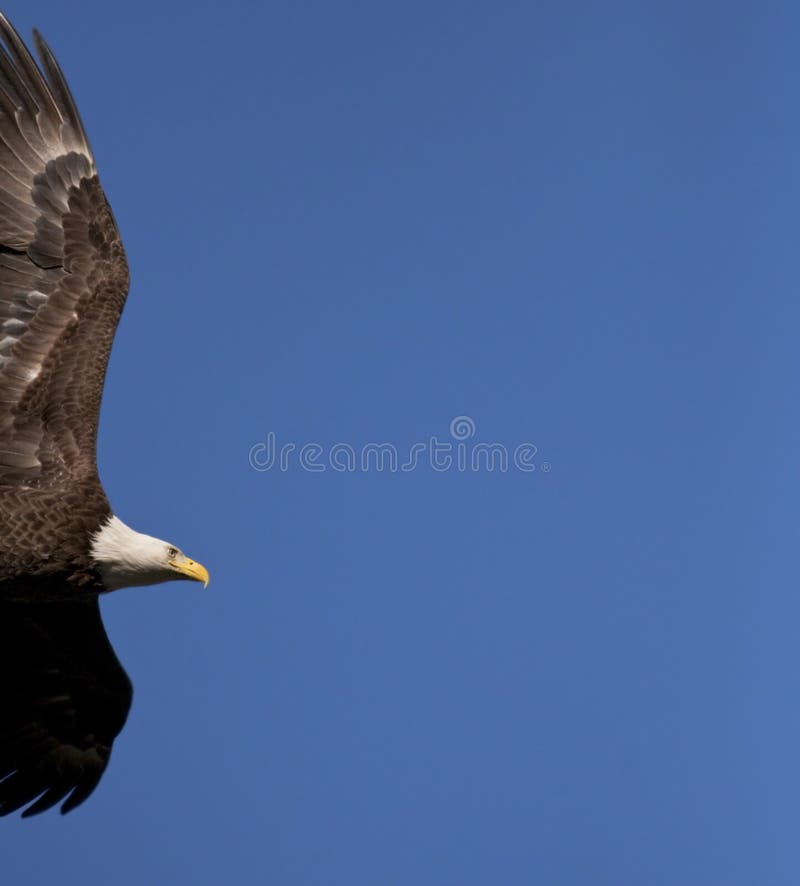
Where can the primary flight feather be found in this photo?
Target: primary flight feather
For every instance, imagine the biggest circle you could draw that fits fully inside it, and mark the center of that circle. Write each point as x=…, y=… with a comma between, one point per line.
x=64, y=696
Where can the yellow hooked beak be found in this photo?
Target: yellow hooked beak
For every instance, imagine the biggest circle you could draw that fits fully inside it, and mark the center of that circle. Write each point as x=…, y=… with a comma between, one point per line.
x=191, y=569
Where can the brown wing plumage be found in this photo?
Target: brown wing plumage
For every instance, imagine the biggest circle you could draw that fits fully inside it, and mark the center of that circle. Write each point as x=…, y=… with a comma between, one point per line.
x=63, y=281
x=63, y=700
x=63, y=275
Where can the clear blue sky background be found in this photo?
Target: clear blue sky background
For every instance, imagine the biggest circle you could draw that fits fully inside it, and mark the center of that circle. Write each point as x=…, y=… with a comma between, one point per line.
x=350, y=222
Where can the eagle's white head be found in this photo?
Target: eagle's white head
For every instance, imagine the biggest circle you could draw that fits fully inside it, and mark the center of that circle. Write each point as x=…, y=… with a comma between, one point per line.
x=125, y=557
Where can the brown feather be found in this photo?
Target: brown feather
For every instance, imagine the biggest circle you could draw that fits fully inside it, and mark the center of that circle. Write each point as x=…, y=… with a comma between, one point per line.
x=63, y=282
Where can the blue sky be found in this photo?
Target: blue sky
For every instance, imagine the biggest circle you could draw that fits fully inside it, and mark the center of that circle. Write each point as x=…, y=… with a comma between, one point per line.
x=350, y=223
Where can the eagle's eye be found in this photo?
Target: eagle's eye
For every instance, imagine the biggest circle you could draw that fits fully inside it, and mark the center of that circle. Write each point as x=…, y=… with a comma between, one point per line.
x=172, y=553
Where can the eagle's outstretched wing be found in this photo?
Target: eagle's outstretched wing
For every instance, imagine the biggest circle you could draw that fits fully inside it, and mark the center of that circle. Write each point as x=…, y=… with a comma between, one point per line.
x=63, y=275
x=64, y=698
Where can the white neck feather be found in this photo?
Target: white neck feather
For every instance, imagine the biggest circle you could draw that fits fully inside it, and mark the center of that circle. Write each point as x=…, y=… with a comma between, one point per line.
x=125, y=557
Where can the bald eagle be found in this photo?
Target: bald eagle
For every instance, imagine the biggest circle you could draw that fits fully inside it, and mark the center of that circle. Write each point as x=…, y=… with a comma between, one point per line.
x=64, y=696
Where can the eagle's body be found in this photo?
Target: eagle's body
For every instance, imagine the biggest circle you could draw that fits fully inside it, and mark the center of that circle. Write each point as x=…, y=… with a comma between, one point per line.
x=63, y=283
x=49, y=537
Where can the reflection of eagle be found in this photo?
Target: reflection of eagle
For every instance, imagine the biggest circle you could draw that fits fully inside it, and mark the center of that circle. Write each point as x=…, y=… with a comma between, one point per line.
x=63, y=280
